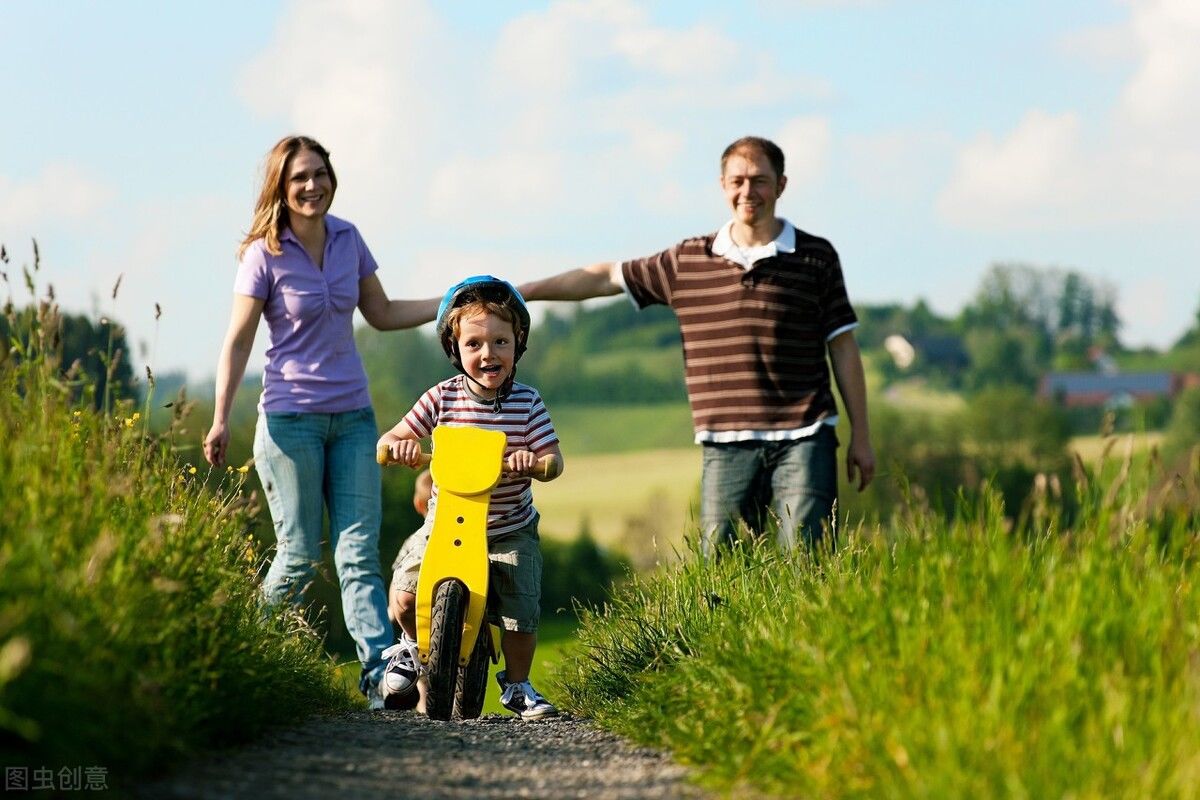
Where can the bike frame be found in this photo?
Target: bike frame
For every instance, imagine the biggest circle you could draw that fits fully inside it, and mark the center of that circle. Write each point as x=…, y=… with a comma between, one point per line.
x=466, y=466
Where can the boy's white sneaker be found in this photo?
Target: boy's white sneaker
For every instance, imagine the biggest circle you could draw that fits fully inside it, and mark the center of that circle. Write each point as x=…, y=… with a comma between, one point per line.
x=524, y=700
x=399, y=684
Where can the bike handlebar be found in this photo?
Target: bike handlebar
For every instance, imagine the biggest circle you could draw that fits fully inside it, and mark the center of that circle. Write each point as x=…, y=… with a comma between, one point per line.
x=547, y=466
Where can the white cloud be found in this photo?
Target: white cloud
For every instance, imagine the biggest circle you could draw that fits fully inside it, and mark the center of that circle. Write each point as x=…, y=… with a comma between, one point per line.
x=499, y=141
x=805, y=142
x=1065, y=170
x=693, y=53
x=59, y=194
x=1165, y=91
x=898, y=166
x=364, y=78
x=503, y=184
x=1028, y=179
x=1100, y=46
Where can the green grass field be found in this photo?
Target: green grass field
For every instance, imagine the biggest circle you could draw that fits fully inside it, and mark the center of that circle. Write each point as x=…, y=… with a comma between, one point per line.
x=628, y=501
x=591, y=430
x=936, y=657
x=131, y=629
x=1093, y=449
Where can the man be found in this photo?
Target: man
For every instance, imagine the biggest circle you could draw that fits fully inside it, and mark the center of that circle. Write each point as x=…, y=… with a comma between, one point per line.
x=758, y=303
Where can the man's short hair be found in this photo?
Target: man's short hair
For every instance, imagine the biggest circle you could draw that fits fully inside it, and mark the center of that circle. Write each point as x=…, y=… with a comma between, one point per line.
x=756, y=144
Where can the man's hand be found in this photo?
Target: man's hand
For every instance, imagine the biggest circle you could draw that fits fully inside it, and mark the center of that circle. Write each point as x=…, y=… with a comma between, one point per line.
x=860, y=458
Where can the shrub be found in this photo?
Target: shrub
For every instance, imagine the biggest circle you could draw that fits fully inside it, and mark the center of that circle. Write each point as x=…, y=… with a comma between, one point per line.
x=130, y=627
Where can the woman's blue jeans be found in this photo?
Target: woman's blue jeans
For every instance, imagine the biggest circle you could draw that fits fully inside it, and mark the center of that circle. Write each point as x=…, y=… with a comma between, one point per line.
x=308, y=463
x=793, y=481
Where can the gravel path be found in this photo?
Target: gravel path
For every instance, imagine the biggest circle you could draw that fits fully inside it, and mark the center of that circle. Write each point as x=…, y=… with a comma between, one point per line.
x=403, y=754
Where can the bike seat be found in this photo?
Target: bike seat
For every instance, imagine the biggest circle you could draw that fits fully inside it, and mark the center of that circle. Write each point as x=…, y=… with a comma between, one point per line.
x=467, y=461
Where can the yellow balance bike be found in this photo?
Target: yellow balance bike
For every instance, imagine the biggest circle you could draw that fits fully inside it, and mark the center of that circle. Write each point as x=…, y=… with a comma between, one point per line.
x=454, y=642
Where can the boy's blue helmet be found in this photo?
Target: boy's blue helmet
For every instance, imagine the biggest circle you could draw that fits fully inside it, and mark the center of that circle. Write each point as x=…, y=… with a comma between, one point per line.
x=487, y=288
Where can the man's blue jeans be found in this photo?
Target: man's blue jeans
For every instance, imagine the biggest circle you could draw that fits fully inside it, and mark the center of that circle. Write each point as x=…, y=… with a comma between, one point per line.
x=309, y=462
x=795, y=481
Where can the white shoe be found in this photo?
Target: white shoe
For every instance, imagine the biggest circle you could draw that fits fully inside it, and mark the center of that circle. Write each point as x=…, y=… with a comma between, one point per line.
x=524, y=700
x=399, y=684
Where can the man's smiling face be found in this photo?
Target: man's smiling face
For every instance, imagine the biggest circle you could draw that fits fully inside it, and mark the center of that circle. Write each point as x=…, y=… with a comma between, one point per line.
x=751, y=187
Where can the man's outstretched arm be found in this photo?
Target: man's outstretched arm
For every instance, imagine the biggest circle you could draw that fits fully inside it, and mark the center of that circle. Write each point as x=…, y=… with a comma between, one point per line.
x=577, y=284
x=852, y=385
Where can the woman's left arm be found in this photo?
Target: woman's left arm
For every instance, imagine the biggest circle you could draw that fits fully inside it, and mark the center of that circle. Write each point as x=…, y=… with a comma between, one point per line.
x=390, y=315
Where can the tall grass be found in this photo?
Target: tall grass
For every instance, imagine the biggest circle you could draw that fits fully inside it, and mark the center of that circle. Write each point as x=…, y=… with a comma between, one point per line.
x=130, y=630
x=960, y=656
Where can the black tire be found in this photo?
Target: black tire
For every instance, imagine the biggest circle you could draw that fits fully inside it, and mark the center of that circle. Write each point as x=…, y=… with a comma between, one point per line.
x=473, y=679
x=445, y=637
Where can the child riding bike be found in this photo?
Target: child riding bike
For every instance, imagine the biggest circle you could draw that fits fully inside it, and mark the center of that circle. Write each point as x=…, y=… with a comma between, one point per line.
x=483, y=325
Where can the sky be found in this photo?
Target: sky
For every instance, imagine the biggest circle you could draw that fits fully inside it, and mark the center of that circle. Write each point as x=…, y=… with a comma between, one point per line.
x=927, y=140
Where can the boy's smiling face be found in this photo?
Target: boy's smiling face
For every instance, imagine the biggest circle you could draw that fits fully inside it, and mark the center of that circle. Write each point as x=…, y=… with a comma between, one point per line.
x=487, y=347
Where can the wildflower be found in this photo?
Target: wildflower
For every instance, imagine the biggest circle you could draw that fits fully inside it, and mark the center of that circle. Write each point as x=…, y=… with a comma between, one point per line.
x=76, y=413
x=244, y=468
x=191, y=470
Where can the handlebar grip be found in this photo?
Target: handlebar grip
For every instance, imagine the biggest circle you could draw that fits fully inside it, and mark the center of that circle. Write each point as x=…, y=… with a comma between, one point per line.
x=383, y=455
x=548, y=466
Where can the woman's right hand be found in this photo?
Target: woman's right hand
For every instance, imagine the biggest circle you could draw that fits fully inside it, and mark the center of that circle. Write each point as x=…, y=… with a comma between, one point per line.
x=216, y=444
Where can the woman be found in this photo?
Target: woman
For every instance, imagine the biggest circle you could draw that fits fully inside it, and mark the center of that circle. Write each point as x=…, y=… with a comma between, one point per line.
x=306, y=271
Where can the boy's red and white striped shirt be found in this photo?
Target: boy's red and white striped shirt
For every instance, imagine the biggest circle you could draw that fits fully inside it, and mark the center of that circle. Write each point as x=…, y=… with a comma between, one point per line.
x=524, y=420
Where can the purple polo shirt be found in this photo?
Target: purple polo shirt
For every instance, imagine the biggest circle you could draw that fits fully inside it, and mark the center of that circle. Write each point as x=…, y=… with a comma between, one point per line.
x=312, y=363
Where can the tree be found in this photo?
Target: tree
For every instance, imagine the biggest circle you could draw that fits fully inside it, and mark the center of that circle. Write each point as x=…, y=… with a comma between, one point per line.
x=1027, y=316
x=87, y=351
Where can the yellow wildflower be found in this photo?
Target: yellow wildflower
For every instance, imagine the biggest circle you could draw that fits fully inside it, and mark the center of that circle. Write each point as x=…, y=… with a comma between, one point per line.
x=244, y=469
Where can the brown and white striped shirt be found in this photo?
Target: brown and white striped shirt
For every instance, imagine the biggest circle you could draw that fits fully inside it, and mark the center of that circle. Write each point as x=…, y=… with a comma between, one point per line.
x=754, y=336
x=522, y=417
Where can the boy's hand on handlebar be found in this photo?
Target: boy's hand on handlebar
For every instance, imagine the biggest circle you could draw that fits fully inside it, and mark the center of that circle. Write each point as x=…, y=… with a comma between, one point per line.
x=400, y=451
x=521, y=462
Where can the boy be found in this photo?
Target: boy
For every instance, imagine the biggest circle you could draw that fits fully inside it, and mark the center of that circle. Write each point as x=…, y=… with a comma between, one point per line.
x=483, y=325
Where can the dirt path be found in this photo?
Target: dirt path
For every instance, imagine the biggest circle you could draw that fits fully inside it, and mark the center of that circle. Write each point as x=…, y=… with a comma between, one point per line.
x=402, y=754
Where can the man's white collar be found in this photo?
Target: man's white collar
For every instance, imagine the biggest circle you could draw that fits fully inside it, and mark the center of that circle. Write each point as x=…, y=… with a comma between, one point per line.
x=747, y=257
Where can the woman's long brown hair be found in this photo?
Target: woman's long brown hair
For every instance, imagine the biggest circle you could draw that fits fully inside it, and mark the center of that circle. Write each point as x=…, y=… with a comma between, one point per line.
x=271, y=212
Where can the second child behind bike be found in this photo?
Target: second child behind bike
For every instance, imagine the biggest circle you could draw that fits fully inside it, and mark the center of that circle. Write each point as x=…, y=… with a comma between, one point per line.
x=483, y=325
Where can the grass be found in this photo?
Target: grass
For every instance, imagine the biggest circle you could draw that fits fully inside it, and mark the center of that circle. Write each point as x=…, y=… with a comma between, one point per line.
x=625, y=499
x=593, y=430
x=969, y=658
x=917, y=397
x=1094, y=449
x=130, y=627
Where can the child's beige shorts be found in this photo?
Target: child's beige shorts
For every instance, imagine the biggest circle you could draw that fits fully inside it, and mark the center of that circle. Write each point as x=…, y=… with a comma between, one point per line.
x=514, y=581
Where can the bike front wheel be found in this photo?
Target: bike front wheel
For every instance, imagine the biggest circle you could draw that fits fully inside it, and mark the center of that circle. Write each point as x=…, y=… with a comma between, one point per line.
x=445, y=638
x=473, y=680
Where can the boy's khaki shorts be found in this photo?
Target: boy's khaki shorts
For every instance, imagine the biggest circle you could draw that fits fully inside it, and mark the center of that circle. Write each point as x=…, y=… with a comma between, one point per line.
x=514, y=580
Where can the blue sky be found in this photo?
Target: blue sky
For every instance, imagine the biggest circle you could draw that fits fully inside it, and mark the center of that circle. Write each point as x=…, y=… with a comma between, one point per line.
x=927, y=140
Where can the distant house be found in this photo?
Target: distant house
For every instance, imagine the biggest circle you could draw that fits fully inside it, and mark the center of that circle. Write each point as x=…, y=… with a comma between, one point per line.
x=1097, y=389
